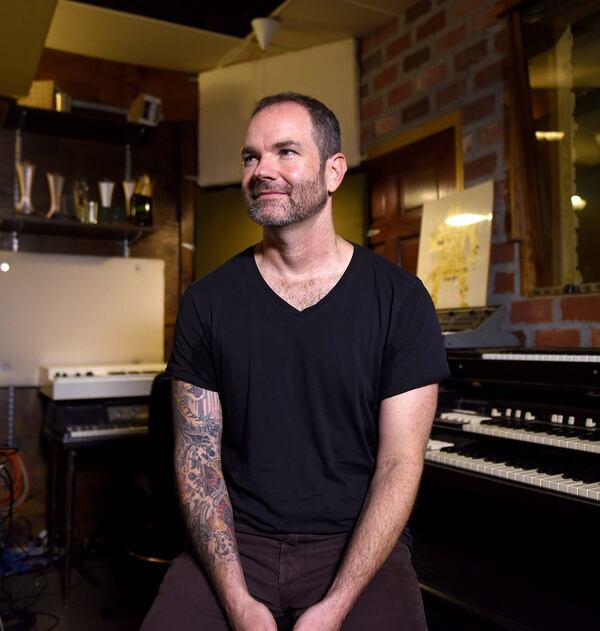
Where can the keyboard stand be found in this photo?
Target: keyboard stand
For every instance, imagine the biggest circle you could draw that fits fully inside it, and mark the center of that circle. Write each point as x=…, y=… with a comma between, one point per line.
x=68, y=456
x=61, y=486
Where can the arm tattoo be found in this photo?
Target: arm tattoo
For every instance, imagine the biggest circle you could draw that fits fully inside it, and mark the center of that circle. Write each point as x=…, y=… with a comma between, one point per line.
x=198, y=426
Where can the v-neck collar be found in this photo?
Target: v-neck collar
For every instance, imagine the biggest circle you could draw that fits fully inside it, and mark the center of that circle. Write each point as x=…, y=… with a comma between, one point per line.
x=342, y=280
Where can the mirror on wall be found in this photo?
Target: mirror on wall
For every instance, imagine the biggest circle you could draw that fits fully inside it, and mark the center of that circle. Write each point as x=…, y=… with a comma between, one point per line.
x=562, y=43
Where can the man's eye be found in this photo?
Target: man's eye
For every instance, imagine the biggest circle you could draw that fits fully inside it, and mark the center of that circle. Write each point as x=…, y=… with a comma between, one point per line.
x=246, y=160
x=288, y=152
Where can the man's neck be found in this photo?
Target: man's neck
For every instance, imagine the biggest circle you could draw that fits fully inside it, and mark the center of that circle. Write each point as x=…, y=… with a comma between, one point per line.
x=309, y=248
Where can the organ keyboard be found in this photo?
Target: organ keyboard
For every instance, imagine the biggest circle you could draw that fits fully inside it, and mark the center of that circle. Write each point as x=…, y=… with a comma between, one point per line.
x=508, y=514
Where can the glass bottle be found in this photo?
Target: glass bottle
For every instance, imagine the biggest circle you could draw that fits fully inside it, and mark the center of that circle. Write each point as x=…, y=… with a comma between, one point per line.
x=141, y=202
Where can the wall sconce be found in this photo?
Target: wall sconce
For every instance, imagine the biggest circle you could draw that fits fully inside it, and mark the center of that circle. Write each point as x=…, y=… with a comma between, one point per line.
x=549, y=135
x=578, y=202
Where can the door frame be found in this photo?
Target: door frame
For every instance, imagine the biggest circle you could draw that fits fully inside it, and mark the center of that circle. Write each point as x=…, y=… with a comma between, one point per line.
x=448, y=121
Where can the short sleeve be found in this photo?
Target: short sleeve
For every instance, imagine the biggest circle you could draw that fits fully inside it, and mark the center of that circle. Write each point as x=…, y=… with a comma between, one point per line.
x=414, y=354
x=192, y=357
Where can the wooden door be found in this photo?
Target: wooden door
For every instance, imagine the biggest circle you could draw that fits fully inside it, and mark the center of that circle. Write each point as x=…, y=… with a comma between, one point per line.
x=399, y=183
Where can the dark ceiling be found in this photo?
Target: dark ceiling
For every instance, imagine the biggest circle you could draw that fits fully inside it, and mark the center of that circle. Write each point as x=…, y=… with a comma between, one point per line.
x=231, y=17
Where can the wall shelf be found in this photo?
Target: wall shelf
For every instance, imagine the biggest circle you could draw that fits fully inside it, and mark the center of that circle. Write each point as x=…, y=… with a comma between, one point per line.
x=23, y=224
x=83, y=124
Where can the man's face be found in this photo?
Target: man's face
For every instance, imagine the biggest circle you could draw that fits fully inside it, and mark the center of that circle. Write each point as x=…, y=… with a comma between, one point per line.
x=282, y=178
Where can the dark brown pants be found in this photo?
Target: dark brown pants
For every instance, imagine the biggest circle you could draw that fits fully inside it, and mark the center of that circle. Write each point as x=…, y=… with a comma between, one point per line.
x=288, y=574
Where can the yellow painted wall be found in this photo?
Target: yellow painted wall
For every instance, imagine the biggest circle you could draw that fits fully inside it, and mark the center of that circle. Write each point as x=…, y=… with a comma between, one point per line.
x=223, y=228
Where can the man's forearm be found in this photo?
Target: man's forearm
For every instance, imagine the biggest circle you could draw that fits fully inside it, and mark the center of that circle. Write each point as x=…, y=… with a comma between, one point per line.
x=385, y=512
x=206, y=504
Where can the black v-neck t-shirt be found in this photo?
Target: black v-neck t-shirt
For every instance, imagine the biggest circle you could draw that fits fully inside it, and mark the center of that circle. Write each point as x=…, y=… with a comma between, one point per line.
x=301, y=390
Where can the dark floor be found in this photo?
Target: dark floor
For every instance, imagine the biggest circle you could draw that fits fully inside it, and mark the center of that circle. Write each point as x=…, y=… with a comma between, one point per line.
x=113, y=592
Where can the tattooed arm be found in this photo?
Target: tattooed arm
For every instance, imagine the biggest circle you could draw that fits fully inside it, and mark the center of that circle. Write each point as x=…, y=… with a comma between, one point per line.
x=198, y=423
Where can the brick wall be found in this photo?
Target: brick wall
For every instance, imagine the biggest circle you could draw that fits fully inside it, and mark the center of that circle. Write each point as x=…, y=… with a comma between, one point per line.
x=443, y=56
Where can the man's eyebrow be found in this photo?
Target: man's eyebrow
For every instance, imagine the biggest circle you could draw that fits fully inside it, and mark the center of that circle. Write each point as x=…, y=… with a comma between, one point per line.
x=284, y=144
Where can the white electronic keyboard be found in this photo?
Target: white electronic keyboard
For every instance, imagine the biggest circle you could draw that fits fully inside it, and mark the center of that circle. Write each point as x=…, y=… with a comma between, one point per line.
x=62, y=383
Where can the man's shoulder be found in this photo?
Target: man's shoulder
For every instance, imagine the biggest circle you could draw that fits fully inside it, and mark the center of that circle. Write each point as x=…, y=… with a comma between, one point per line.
x=385, y=271
x=223, y=278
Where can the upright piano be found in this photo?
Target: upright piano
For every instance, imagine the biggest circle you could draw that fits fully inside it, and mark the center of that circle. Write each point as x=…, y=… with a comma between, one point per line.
x=507, y=522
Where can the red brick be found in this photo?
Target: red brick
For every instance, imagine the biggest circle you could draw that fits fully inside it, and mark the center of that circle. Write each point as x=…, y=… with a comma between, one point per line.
x=502, y=253
x=384, y=78
x=364, y=136
x=471, y=55
x=491, y=134
x=485, y=165
x=451, y=93
x=596, y=338
x=504, y=283
x=385, y=125
x=371, y=62
x=372, y=108
x=365, y=45
x=416, y=110
x=398, y=46
x=452, y=38
x=586, y=308
x=416, y=59
x=494, y=73
x=484, y=18
x=535, y=310
x=417, y=10
x=364, y=91
x=558, y=338
x=386, y=31
x=433, y=25
x=478, y=109
x=400, y=93
x=501, y=41
x=432, y=76
x=462, y=7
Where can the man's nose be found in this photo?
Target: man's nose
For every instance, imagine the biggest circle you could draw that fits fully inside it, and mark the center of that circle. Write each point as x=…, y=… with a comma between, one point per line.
x=265, y=168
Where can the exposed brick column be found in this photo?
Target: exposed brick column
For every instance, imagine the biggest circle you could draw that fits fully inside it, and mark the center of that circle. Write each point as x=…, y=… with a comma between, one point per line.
x=439, y=57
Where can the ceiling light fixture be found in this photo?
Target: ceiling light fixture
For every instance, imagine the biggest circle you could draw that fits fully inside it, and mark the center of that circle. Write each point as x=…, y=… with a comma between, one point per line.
x=264, y=29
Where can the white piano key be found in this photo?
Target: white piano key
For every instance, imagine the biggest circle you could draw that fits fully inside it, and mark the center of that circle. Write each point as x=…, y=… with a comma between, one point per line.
x=549, y=481
x=569, y=486
x=583, y=491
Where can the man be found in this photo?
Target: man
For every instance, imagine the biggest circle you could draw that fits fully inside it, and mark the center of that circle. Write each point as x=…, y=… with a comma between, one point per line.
x=305, y=374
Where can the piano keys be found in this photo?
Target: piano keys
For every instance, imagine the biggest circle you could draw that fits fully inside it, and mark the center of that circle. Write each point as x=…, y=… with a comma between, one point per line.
x=508, y=513
x=93, y=404
x=545, y=470
x=90, y=423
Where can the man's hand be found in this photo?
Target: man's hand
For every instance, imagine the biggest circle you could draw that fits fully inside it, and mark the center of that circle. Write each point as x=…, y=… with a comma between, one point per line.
x=319, y=617
x=252, y=616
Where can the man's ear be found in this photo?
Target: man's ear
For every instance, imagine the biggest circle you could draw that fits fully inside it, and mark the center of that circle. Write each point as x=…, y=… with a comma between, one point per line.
x=335, y=169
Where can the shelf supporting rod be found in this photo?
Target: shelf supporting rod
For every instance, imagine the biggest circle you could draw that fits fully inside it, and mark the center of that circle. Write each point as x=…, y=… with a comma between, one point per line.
x=127, y=162
x=18, y=158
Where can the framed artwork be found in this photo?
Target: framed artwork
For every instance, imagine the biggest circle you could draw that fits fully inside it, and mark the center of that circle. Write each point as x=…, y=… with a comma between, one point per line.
x=454, y=248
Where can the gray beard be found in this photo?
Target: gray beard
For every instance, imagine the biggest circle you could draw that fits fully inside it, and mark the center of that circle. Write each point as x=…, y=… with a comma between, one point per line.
x=305, y=201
